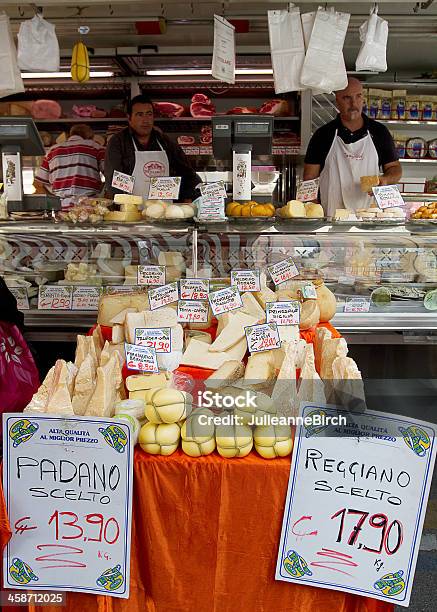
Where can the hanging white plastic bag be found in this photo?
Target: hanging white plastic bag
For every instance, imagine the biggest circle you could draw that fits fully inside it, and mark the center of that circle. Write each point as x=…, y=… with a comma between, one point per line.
x=10, y=77
x=373, y=35
x=223, y=57
x=287, y=48
x=38, y=47
x=323, y=68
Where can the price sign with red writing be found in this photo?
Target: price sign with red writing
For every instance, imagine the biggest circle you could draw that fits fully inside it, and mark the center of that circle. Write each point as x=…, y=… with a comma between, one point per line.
x=225, y=300
x=151, y=275
x=141, y=358
x=307, y=190
x=194, y=288
x=388, y=196
x=55, y=297
x=161, y=296
x=283, y=313
x=86, y=298
x=264, y=337
x=356, y=501
x=190, y=311
x=68, y=492
x=158, y=338
x=164, y=188
x=357, y=304
x=246, y=280
x=123, y=182
x=283, y=271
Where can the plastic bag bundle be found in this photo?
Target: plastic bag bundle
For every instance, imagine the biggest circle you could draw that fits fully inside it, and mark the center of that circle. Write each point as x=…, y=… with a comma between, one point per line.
x=10, y=77
x=373, y=36
x=287, y=48
x=324, y=68
x=38, y=47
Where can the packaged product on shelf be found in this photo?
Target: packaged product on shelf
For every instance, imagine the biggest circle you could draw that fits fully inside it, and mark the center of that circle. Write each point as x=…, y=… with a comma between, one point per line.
x=399, y=104
x=374, y=103
x=432, y=148
x=416, y=148
x=386, y=104
x=426, y=107
x=400, y=142
x=365, y=101
x=413, y=108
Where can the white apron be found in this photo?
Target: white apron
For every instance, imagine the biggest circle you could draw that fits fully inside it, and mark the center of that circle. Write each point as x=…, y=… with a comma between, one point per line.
x=340, y=178
x=148, y=164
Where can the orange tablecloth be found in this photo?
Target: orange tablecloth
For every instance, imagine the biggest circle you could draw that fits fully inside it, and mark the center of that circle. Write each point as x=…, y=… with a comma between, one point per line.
x=205, y=538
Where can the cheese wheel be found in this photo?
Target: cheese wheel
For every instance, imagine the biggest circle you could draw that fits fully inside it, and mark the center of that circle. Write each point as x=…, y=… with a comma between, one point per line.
x=167, y=405
x=234, y=440
x=273, y=441
x=314, y=211
x=159, y=439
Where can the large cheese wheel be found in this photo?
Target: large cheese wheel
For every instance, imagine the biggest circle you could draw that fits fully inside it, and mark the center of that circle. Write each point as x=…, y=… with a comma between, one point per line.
x=326, y=301
x=273, y=441
x=234, y=440
x=159, y=439
x=167, y=405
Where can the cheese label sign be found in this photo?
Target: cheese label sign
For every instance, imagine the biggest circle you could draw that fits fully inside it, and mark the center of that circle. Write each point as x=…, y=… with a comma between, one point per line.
x=213, y=190
x=190, y=311
x=388, y=196
x=55, y=297
x=356, y=502
x=20, y=294
x=309, y=292
x=210, y=208
x=357, y=304
x=141, y=358
x=158, y=338
x=164, y=188
x=283, y=271
x=225, y=300
x=86, y=298
x=151, y=275
x=194, y=288
x=123, y=182
x=283, y=313
x=246, y=280
x=161, y=296
x=264, y=337
x=307, y=191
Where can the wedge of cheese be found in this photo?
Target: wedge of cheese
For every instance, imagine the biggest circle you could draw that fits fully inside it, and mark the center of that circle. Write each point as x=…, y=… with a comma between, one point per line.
x=265, y=295
x=233, y=332
x=197, y=355
x=311, y=387
x=118, y=335
x=105, y=355
x=111, y=305
x=222, y=321
x=228, y=373
x=260, y=368
x=119, y=216
x=289, y=333
x=331, y=349
x=139, y=382
x=39, y=400
x=163, y=317
x=322, y=334
x=284, y=391
x=104, y=397
x=121, y=316
x=84, y=385
x=347, y=385
x=59, y=401
x=81, y=350
x=252, y=307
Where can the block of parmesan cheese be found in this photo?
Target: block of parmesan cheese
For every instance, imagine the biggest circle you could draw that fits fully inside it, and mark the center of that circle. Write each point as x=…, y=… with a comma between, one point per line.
x=260, y=368
x=81, y=350
x=139, y=382
x=103, y=400
x=119, y=216
x=84, y=385
x=197, y=355
x=228, y=373
x=311, y=386
x=118, y=334
x=289, y=333
x=111, y=305
x=331, y=349
x=322, y=334
x=39, y=400
x=98, y=340
x=162, y=317
x=121, y=316
x=59, y=401
x=233, y=332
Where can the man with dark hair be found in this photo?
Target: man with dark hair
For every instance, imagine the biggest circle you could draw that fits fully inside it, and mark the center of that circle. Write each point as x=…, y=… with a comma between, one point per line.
x=144, y=152
x=72, y=168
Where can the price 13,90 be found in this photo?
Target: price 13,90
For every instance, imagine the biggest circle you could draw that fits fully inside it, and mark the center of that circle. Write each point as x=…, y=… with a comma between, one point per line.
x=95, y=529
x=391, y=533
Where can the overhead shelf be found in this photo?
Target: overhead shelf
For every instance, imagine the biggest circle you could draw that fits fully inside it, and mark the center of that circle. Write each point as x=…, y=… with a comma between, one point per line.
x=157, y=119
x=417, y=161
x=408, y=123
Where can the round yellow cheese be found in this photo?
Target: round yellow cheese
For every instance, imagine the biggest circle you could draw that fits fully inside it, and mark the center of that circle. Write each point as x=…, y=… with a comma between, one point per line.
x=264, y=406
x=198, y=449
x=159, y=439
x=234, y=440
x=167, y=405
x=273, y=441
x=314, y=211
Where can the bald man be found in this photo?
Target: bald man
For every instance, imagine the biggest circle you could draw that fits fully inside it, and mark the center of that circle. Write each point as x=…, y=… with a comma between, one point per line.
x=350, y=146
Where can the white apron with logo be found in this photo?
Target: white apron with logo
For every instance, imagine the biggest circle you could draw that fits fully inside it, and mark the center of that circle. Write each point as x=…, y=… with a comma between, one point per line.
x=340, y=178
x=148, y=164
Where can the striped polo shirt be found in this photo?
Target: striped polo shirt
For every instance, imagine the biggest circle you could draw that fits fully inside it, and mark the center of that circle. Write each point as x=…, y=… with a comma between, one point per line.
x=72, y=169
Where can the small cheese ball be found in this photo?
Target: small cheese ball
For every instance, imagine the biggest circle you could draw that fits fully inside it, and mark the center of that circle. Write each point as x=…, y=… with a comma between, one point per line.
x=198, y=434
x=273, y=441
x=165, y=405
x=234, y=440
x=159, y=439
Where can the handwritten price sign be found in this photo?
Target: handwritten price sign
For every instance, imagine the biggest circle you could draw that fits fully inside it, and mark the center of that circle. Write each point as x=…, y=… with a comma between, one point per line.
x=123, y=182
x=246, y=280
x=213, y=190
x=225, y=300
x=55, y=297
x=263, y=337
x=192, y=311
x=151, y=275
x=388, y=196
x=165, y=188
x=161, y=296
x=71, y=531
x=283, y=313
x=141, y=358
x=309, y=292
x=283, y=271
x=307, y=190
x=156, y=338
x=20, y=294
x=194, y=288
x=356, y=304
x=86, y=298
x=356, y=502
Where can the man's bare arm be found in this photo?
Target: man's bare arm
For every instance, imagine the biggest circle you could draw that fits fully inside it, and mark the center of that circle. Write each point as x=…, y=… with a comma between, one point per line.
x=311, y=171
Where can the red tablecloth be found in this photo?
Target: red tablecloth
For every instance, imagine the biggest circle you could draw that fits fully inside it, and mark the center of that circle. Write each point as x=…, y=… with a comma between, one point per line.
x=205, y=538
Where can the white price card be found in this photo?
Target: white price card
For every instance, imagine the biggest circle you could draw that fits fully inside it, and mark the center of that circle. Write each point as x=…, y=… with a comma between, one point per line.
x=86, y=298
x=164, y=188
x=357, y=304
x=225, y=300
x=190, y=311
x=158, y=338
x=211, y=209
x=283, y=271
x=194, y=288
x=124, y=289
x=283, y=313
x=356, y=501
x=307, y=191
x=223, y=58
x=123, y=182
x=309, y=292
x=161, y=296
x=388, y=196
x=141, y=358
x=264, y=337
x=55, y=297
x=213, y=190
x=246, y=280
x=151, y=275
x=68, y=491
x=20, y=294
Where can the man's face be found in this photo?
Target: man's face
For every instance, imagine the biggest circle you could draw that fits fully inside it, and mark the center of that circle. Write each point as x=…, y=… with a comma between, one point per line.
x=141, y=119
x=350, y=102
